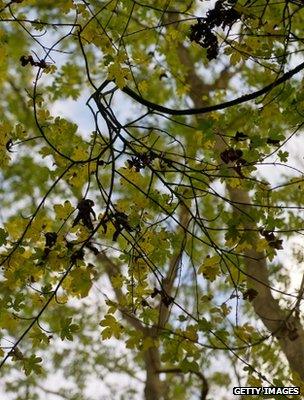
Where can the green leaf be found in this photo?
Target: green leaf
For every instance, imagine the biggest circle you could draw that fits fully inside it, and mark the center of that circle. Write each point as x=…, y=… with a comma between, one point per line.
x=81, y=281
x=204, y=325
x=32, y=365
x=189, y=366
x=283, y=156
x=68, y=329
x=3, y=236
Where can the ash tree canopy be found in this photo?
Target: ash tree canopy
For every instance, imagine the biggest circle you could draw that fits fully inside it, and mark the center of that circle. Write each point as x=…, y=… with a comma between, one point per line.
x=151, y=198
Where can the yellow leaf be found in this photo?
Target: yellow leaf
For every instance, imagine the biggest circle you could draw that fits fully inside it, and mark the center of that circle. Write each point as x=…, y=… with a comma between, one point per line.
x=129, y=176
x=235, y=182
x=8, y=321
x=235, y=58
x=143, y=86
x=112, y=327
x=210, y=269
x=79, y=154
x=253, y=381
x=119, y=74
x=244, y=246
x=261, y=244
x=63, y=211
x=191, y=333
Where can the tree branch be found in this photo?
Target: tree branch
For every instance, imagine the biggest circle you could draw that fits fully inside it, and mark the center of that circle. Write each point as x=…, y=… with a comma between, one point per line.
x=168, y=281
x=284, y=326
x=112, y=270
x=199, y=109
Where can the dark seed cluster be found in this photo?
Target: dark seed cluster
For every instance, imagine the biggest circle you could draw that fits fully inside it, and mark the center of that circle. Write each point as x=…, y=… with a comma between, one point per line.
x=222, y=15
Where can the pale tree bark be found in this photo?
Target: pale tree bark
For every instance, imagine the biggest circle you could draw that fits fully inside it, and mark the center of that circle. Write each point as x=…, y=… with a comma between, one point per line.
x=281, y=323
x=153, y=386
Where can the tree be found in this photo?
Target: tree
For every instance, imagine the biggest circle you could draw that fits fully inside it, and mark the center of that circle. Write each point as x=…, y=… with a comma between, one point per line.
x=167, y=227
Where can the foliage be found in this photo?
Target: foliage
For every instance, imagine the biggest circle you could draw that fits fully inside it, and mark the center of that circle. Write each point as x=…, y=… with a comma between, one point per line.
x=168, y=227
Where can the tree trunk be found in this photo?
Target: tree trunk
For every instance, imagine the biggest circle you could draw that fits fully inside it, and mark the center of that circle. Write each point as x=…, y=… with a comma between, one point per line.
x=154, y=386
x=280, y=323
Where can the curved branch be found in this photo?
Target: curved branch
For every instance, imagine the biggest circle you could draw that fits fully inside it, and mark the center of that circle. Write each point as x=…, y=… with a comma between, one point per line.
x=216, y=107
